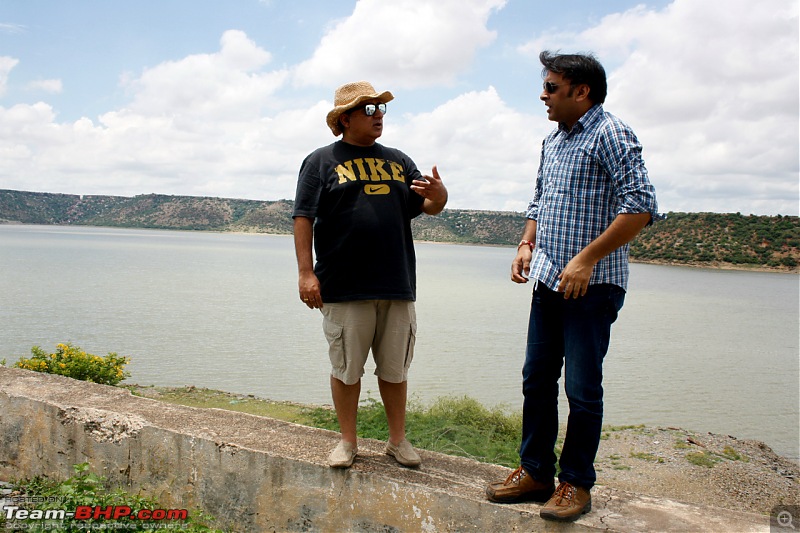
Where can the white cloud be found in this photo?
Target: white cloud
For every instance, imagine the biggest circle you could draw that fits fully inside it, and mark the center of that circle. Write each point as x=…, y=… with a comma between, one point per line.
x=412, y=43
x=48, y=86
x=206, y=124
x=486, y=152
x=227, y=85
x=718, y=117
x=128, y=154
x=711, y=90
x=6, y=64
x=6, y=27
x=25, y=131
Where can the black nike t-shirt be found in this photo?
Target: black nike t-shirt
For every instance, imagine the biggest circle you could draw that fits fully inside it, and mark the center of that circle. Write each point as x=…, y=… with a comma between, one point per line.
x=362, y=205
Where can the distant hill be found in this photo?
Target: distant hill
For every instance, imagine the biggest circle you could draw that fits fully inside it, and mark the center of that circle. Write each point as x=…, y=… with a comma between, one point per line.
x=701, y=239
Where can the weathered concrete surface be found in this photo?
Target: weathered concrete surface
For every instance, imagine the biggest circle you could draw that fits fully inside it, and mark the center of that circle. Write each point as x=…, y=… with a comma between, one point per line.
x=259, y=474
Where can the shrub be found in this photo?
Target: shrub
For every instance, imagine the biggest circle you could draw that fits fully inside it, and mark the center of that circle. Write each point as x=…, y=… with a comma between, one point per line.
x=87, y=489
x=75, y=363
x=462, y=426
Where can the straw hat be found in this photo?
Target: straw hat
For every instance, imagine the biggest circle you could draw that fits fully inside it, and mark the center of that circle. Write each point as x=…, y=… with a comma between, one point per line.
x=349, y=96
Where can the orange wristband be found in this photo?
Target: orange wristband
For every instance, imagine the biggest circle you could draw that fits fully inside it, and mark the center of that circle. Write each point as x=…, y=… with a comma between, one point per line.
x=529, y=243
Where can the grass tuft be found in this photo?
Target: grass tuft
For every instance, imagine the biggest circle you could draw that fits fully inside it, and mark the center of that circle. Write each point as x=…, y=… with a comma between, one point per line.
x=704, y=458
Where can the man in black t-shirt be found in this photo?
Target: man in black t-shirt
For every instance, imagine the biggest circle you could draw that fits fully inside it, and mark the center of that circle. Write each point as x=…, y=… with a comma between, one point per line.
x=354, y=203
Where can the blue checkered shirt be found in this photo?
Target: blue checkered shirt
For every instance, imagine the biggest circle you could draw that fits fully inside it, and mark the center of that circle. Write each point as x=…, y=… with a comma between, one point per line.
x=587, y=176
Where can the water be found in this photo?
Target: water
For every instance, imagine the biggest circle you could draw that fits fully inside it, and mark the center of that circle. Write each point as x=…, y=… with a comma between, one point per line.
x=706, y=350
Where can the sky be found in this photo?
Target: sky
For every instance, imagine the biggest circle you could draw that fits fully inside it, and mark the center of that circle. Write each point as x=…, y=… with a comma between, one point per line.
x=226, y=98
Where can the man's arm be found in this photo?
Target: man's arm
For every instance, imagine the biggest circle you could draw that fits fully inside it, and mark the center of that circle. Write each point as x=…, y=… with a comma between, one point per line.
x=308, y=283
x=521, y=265
x=575, y=276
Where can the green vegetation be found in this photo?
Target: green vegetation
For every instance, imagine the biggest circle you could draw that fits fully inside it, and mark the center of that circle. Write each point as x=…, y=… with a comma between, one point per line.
x=711, y=238
x=192, y=396
x=702, y=239
x=704, y=458
x=612, y=429
x=470, y=227
x=645, y=456
x=451, y=425
x=73, y=362
x=84, y=488
x=616, y=462
x=709, y=459
x=608, y=431
x=729, y=453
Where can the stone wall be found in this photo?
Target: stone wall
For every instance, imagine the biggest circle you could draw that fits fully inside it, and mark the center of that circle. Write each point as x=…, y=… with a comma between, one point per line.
x=256, y=474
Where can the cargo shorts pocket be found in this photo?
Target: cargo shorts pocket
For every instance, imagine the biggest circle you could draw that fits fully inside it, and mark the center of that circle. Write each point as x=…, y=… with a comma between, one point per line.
x=335, y=335
x=412, y=340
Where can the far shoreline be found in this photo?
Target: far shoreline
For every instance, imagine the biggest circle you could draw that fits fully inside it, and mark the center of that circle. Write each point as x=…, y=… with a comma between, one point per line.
x=716, y=265
x=720, y=266
x=708, y=266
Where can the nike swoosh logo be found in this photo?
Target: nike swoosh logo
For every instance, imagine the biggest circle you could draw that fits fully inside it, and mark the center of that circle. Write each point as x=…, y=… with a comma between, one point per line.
x=376, y=189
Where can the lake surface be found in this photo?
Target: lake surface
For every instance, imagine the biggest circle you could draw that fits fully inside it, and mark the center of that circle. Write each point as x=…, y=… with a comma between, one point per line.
x=706, y=350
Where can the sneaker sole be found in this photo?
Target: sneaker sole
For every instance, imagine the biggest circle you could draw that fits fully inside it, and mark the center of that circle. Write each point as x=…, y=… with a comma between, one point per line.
x=571, y=518
x=409, y=464
x=342, y=465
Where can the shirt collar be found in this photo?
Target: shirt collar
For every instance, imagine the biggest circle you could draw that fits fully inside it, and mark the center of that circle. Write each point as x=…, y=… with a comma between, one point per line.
x=588, y=118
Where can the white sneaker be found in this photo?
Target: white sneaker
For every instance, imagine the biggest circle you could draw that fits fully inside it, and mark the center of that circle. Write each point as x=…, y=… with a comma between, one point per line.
x=343, y=455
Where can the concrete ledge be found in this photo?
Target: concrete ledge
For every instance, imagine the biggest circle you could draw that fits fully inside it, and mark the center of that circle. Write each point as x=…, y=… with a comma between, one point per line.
x=259, y=474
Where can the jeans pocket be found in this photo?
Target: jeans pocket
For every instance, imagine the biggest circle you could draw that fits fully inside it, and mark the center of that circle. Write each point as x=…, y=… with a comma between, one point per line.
x=616, y=298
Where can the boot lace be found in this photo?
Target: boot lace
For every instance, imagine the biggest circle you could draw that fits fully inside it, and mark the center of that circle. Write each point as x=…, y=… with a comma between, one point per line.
x=516, y=476
x=564, y=494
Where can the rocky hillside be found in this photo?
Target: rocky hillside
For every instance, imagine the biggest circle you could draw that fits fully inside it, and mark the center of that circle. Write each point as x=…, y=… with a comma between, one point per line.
x=147, y=211
x=703, y=239
x=721, y=239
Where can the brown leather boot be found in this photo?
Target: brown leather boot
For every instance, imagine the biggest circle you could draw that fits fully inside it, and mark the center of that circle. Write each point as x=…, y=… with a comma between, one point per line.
x=567, y=504
x=519, y=487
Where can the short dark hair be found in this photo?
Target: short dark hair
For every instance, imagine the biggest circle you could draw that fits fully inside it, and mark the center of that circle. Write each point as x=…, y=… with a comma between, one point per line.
x=578, y=69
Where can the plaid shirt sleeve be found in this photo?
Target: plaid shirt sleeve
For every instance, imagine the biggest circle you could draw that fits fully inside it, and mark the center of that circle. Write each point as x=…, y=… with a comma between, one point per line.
x=620, y=155
x=533, y=205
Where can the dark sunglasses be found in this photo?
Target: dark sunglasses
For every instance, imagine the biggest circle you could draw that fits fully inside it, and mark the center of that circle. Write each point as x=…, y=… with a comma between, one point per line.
x=550, y=87
x=369, y=109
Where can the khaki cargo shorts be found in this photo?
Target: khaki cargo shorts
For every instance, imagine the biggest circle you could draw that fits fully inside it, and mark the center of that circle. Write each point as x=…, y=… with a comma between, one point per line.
x=387, y=327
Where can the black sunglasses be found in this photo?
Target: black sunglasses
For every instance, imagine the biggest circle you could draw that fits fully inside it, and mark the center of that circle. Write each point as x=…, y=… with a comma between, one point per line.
x=550, y=87
x=369, y=109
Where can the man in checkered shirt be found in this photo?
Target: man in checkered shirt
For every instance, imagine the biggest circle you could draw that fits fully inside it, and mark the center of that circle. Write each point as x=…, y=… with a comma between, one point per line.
x=592, y=198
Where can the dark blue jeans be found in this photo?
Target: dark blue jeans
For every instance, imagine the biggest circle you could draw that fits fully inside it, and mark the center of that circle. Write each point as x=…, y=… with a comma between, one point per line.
x=574, y=334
